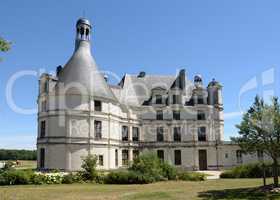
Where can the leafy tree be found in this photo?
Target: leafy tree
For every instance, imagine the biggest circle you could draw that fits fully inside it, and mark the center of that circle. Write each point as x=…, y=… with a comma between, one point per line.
x=10, y=154
x=4, y=45
x=260, y=131
x=89, y=168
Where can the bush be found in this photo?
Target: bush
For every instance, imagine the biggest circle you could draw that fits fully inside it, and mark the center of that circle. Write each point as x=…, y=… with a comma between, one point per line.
x=190, y=176
x=89, y=172
x=71, y=178
x=168, y=171
x=128, y=177
x=38, y=179
x=248, y=171
x=149, y=165
x=15, y=177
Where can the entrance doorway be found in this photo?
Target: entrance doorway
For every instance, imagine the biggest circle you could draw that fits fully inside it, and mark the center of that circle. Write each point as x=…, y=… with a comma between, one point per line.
x=202, y=154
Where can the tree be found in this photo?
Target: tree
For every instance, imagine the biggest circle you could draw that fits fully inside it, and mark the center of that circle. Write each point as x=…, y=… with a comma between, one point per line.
x=4, y=45
x=89, y=167
x=259, y=130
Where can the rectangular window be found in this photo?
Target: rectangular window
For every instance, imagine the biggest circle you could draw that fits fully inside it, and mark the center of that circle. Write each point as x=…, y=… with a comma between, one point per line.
x=160, y=134
x=176, y=99
x=158, y=99
x=124, y=133
x=100, y=160
x=176, y=115
x=177, y=156
x=239, y=157
x=46, y=88
x=159, y=115
x=97, y=129
x=97, y=106
x=200, y=115
x=44, y=106
x=202, y=134
x=43, y=129
x=124, y=157
x=160, y=154
x=135, y=134
x=42, y=158
x=116, y=158
x=200, y=100
x=177, y=134
x=135, y=154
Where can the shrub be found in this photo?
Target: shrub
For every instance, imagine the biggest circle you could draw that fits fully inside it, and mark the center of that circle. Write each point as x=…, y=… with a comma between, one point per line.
x=47, y=178
x=149, y=165
x=247, y=171
x=190, y=176
x=89, y=172
x=128, y=177
x=15, y=177
x=38, y=179
x=168, y=171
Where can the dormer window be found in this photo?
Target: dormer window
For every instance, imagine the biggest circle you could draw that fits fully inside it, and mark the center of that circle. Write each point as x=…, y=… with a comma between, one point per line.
x=159, y=115
x=176, y=115
x=200, y=100
x=200, y=115
x=158, y=99
x=176, y=99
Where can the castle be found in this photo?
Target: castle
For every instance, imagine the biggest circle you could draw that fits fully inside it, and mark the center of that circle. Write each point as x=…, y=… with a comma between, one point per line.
x=80, y=113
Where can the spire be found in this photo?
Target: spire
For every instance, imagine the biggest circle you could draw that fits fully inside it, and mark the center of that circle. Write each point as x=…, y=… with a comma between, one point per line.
x=80, y=75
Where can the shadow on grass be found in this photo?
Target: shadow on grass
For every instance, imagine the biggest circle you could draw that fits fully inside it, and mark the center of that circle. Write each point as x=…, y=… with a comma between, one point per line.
x=240, y=193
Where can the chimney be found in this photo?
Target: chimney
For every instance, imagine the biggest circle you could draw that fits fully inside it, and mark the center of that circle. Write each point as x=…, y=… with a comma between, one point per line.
x=58, y=70
x=141, y=74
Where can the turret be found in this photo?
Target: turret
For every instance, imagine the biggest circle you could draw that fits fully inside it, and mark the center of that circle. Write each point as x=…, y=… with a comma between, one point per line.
x=215, y=94
x=83, y=31
x=80, y=75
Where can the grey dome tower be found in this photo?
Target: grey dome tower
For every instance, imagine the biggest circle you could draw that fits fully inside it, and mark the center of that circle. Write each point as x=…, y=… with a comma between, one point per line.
x=81, y=71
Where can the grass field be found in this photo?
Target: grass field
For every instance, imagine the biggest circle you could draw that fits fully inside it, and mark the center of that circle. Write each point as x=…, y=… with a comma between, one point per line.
x=211, y=189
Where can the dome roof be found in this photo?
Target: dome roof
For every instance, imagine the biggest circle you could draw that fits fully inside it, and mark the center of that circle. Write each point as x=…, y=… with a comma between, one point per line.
x=83, y=21
x=80, y=75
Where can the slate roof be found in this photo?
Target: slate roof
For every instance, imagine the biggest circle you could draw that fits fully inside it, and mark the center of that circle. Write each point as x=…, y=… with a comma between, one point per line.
x=134, y=90
x=81, y=70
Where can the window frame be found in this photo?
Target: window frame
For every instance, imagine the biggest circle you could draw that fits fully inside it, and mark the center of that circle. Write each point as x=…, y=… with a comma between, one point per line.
x=175, y=99
x=177, y=160
x=200, y=137
x=97, y=107
x=159, y=99
x=176, y=115
x=97, y=129
x=160, y=154
x=177, y=134
x=101, y=160
x=201, y=115
x=135, y=138
x=125, y=157
x=43, y=129
x=125, y=138
x=159, y=115
x=160, y=134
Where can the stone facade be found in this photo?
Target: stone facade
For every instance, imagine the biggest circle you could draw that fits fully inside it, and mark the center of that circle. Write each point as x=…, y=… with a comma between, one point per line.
x=80, y=113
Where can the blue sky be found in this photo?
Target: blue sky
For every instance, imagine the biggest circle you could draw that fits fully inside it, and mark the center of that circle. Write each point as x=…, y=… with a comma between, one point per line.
x=233, y=41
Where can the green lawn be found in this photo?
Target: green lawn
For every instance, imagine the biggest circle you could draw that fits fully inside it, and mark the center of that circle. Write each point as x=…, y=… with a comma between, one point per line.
x=211, y=189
